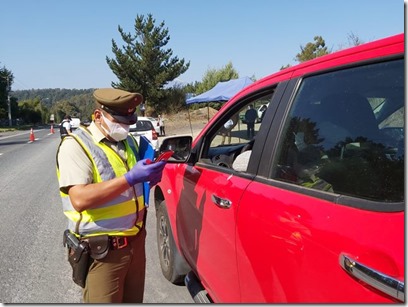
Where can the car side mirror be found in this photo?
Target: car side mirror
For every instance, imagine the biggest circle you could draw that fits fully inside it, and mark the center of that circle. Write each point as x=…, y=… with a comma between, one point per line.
x=181, y=145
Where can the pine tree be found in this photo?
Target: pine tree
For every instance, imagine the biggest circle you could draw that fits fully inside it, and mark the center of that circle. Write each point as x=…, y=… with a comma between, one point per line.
x=312, y=50
x=143, y=65
x=6, y=80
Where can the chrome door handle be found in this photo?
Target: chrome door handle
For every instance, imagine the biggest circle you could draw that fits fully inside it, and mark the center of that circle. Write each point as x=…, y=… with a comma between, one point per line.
x=376, y=279
x=221, y=202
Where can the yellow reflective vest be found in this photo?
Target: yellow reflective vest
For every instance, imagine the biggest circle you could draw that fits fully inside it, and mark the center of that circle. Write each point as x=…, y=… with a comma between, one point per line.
x=122, y=216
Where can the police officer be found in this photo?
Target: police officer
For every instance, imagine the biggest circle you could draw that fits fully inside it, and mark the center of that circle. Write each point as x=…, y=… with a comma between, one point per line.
x=65, y=127
x=101, y=185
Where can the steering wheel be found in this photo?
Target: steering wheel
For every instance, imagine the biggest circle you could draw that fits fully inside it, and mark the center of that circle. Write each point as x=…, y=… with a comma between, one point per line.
x=223, y=160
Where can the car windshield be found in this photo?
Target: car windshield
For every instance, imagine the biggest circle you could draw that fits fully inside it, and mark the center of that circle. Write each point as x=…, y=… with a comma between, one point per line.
x=141, y=125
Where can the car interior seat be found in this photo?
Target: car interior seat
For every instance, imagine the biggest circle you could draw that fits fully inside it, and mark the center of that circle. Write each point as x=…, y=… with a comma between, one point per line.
x=349, y=140
x=346, y=118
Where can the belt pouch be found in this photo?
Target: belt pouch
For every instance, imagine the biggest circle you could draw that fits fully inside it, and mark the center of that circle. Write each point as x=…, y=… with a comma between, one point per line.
x=99, y=246
x=80, y=261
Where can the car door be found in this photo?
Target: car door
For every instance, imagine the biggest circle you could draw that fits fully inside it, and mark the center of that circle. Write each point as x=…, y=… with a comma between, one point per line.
x=328, y=221
x=209, y=203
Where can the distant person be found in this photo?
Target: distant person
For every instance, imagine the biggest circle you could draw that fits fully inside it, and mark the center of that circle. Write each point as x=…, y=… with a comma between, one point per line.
x=228, y=126
x=142, y=109
x=66, y=128
x=250, y=118
x=161, y=125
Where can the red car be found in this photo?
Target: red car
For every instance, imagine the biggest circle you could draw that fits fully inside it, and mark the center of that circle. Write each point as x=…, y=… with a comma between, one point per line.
x=308, y=207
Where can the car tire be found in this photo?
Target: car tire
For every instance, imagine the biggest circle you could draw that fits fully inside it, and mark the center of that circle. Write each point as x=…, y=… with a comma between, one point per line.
x=166, y=247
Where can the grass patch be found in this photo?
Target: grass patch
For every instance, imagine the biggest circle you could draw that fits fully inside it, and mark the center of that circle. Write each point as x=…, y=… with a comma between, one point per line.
x=7, y=129
x=14, y=128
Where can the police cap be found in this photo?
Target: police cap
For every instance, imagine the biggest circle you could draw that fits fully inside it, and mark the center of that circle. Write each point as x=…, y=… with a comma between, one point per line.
x=118, y=103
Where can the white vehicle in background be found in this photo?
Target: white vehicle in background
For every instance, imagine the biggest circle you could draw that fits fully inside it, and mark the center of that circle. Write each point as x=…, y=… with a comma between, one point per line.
x=75, y=122
x=154, y=121
x=145, y=127
x=261, y=110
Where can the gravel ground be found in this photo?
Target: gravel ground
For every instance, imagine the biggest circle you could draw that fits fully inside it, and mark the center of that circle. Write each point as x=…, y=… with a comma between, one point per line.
x=190, y=123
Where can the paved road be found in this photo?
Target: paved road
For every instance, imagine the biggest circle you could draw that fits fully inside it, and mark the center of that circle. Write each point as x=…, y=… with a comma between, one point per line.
x=33, y=265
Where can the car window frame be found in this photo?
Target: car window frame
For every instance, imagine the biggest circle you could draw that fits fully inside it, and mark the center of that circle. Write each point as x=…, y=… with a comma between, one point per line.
x=269, y=152
x=276, y=90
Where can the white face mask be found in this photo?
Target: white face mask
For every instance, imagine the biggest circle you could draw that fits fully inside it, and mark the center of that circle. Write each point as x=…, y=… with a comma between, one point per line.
x=116, y=131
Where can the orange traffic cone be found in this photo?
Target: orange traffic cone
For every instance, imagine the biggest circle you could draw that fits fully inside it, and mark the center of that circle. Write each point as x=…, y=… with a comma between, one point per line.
x=32, y=138
x=52, y=129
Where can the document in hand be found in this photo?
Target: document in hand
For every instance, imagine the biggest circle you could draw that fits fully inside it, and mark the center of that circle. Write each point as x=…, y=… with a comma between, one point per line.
x=146, y=151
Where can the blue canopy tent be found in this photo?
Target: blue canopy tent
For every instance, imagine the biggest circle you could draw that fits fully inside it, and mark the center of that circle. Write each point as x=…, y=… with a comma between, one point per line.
x=222, y=91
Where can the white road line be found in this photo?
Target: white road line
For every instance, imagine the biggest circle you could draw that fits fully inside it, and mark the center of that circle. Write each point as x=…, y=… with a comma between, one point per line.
x=13, y=135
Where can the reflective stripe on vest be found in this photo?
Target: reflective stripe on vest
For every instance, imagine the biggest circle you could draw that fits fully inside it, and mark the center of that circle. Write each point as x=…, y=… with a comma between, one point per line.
x=120, y=216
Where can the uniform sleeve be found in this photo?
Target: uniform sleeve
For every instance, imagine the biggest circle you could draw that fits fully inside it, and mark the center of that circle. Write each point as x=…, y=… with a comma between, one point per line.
x=74, y=165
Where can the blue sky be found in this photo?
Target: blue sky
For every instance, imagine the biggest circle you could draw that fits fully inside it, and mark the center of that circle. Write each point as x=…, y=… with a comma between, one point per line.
x=63, y=44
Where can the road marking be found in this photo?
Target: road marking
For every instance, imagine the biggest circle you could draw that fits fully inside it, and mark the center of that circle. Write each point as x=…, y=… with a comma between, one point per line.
x=13, y=135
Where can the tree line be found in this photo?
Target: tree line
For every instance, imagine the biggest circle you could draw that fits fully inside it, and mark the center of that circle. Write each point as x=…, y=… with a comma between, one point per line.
x=143, y=65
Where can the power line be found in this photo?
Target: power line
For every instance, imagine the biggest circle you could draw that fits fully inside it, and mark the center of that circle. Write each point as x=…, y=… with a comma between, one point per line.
x=25, y=87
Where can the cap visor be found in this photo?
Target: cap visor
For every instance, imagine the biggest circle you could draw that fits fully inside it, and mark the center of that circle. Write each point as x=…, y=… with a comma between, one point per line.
x=128, y=120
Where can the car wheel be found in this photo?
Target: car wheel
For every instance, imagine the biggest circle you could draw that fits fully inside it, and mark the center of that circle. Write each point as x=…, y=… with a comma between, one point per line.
x=166, y=247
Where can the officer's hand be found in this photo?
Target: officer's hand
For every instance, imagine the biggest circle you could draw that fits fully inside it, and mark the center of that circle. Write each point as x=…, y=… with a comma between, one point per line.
x=144, y=171
x=155, y=180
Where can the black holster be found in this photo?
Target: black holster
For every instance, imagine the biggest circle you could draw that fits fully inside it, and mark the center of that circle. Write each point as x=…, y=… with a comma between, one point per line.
x=80, y=263
x=78, y=258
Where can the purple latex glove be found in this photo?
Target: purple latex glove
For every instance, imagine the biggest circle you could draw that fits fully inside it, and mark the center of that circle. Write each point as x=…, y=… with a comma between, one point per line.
x=155, y=180
x=144, y=171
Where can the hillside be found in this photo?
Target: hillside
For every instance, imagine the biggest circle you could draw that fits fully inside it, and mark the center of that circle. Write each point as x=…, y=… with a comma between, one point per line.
x=50, y=96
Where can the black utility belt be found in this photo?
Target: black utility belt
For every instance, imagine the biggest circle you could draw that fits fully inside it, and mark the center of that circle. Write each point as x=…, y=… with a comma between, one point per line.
x=97, y=246
x=101, y=244
x=81, y=252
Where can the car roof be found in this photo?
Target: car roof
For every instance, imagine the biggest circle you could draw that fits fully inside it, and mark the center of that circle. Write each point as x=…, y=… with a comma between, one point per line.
x=385, y=47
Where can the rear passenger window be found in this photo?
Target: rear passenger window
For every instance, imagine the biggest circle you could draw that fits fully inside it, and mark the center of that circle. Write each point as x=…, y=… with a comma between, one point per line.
x=345, y=133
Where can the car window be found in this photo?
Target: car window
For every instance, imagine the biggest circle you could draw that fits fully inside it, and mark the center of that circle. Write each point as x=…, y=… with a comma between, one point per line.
x=344, y=133
x=235, y=134
x=141, y=125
